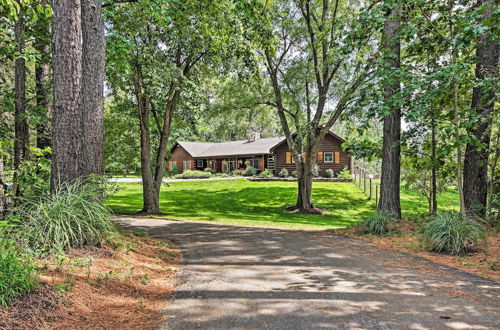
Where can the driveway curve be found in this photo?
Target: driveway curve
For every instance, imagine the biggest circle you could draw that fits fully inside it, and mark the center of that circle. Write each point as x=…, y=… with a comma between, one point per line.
x=257, y=278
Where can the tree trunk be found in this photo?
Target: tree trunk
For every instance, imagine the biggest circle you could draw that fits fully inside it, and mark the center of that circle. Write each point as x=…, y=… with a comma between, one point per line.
x=21, y=129
x=42, y=72
x=391, y=150
x=304, y=193
x=3, y=204
x=67, y=66
x=483, y=97
x=92, y=97
x=433, y=208
x=151, y=195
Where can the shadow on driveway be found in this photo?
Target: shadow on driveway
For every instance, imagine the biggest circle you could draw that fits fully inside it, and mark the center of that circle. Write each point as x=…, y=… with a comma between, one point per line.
x=242, y=277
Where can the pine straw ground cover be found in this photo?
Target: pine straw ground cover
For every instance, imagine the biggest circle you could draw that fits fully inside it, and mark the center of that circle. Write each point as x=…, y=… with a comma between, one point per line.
x=483, y=261
x=125, y=286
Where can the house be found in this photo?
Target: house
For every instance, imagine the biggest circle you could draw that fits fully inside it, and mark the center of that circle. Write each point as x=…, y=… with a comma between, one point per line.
x=261, y=153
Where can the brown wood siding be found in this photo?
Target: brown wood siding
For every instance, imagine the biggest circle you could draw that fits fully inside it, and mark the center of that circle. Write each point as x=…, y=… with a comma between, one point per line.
x=329, y=144
x=179, y=155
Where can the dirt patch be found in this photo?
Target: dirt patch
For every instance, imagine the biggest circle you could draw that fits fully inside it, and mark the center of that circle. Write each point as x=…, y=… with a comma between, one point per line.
x=483, y=261
x=126, y=286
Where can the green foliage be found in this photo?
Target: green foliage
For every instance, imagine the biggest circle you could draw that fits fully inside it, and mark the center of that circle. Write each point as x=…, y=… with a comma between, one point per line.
x=266, y=173
x=345, y=174
x=294, y=174
x=329, y=173
x=378, y=224
x=209, y=170
x=72, y=216
x=189, y=174
x=33, y=175
x=175, y=170
x=451, y=232
x=250, y=171
x=238, y=172
x=18, y=275
x=283, y=173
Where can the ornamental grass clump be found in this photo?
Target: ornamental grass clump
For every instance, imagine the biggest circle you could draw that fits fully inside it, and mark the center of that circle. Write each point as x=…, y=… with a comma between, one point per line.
x=72, y=216
x=378, y=224
x=451, y=232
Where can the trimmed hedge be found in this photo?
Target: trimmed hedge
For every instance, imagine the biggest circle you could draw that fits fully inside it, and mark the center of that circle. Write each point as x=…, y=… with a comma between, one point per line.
x=193, y=175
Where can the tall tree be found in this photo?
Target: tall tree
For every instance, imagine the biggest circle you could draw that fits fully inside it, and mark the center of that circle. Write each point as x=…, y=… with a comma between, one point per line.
x=483, y=103
x=391, y=150
x=92, y=88
x=67, y=68
x=42, y=80
x=21, y=141
x=323, y=53
x=154, y=61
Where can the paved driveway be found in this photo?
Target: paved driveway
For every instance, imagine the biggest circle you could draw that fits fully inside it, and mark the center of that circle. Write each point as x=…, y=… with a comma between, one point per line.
x=255, y=278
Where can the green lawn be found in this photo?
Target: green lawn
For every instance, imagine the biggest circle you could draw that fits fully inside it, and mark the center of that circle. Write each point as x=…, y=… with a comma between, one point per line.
x=262, y=203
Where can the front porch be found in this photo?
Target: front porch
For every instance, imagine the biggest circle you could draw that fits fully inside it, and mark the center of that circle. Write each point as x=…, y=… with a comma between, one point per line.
x=229, y=164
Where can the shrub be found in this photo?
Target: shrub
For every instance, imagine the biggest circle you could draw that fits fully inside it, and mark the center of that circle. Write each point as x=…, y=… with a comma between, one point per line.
x=250, y=171
x=316, y=170
x=175, y=170
x=266, y=173
x=17, y=274
x=189, y=174
x=378, y=224
x=283, y=173
x=451, y=232
x=209, y=170
x=329, y=173
x=294, y=174
x=72, y=216
x=238, y=172
x=345, y=174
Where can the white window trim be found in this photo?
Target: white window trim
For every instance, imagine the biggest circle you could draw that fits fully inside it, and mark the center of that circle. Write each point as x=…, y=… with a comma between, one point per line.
x=324, y=157
x=184, y=164
x=198, y=162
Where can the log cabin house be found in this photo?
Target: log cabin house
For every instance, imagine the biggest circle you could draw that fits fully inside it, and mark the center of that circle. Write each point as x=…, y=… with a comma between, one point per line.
x=261, y=153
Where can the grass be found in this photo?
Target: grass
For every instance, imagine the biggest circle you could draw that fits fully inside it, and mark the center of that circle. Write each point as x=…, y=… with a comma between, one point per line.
x=262, y=203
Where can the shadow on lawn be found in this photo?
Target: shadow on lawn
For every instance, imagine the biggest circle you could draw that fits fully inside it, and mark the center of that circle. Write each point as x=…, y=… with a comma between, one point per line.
x=256, y=204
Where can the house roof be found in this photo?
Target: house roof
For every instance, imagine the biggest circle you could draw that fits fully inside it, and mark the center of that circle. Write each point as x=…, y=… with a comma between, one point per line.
x=235, y=148
x=231, y=148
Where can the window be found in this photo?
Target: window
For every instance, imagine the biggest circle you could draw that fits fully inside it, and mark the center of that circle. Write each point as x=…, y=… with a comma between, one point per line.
x=288, y=158
x=337, y=157
x=320, y=157
x=172, y=164
x=270, y=163
x=328, y=157
x=199, y=163
x=256, y=163
x=186, y=164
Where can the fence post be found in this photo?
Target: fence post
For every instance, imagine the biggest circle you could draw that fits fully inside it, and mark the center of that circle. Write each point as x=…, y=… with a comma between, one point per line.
x=364, y=182
x=369, y=198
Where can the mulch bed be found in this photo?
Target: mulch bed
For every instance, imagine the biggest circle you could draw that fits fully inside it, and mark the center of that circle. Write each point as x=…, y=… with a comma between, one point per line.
x=483, y=261
x=124, y=287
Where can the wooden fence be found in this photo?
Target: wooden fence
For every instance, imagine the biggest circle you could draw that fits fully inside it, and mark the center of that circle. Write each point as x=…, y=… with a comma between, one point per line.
x=368, y=182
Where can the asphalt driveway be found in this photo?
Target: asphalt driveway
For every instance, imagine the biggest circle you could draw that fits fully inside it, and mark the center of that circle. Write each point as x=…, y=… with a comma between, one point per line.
x=256, y=278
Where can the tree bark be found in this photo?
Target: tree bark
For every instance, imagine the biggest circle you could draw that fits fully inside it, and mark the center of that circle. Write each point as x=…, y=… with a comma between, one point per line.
x=92, y=85
x=391, y=150
x=3, y=202
x=483, y=99
x=42, y=76
x=67, y=66
x=433, y=208
x=21, y=129
x=151, y=196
